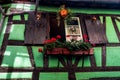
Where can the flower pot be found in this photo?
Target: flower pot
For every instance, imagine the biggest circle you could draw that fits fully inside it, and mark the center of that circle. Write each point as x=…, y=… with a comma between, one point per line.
x=58, y=51
x=83, y=52
x=65, y=51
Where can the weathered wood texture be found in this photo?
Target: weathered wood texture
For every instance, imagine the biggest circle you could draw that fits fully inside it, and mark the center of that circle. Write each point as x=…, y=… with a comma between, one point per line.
x=96, y=31
x=36, y=30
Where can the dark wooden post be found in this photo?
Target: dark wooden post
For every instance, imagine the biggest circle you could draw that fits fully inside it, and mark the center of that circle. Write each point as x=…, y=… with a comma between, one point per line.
x=36, y=5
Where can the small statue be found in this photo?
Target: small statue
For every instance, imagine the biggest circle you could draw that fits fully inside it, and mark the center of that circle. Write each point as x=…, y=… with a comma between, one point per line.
x=38, y=16
x=94, y=19
x=73, y=30
x=40, y=20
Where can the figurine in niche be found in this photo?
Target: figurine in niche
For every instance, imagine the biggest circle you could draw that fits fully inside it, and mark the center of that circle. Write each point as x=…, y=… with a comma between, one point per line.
x=72, y=30
x=38, y=16
x=95, y=20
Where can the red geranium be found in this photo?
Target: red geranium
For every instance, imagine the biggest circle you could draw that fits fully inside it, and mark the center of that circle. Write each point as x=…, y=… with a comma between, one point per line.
x=40, y=50
x=53, y=39
x=47, y=41
x=58, y=37
x=85, y=36
x=86, y=40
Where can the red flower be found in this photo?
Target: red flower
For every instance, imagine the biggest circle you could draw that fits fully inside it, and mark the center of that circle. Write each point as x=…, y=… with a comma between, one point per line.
x=58, y=37
x=67, y=35
x=85, y=36
x=40, y=50
x=47, y=41
x=53, y=39
x=86, y=40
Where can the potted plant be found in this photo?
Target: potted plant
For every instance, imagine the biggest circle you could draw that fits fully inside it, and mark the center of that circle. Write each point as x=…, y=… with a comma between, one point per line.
x=54, y=46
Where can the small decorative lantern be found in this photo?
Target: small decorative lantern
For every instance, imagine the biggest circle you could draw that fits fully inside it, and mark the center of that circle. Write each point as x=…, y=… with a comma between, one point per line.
x=63, y=13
